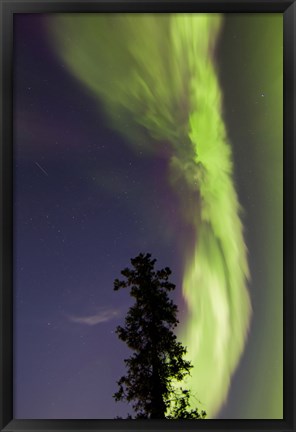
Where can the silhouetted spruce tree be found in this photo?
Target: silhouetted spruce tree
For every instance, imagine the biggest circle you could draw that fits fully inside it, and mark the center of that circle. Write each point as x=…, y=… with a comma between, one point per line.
x=158, y=359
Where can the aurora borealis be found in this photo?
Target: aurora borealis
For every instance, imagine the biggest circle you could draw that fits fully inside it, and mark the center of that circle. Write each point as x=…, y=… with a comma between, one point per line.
x=160, y=135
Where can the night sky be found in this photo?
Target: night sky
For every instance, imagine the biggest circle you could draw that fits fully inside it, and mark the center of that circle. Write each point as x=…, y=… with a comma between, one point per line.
x=86, y=201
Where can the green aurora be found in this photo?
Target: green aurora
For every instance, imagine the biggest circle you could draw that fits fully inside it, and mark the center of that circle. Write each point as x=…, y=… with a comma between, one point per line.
x=159, y=71
x=258, y=89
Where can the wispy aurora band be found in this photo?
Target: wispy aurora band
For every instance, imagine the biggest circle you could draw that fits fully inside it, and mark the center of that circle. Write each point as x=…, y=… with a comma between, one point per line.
x=158, y=70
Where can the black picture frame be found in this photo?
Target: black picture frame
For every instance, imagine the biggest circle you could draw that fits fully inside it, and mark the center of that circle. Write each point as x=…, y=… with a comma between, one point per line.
x=7, y=10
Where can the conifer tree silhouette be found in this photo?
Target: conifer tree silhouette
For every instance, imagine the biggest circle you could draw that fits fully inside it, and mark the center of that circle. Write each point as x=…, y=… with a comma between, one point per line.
x=157, y=363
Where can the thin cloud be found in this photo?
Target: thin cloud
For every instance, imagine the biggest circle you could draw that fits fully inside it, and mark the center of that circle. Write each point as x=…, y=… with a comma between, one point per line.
x=100, y=317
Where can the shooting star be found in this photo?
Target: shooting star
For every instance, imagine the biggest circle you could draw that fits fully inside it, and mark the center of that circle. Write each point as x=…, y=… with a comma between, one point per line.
x=42, y=169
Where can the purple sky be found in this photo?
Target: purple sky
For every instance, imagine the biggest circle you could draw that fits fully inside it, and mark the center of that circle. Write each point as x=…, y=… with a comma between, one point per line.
x=85, y=202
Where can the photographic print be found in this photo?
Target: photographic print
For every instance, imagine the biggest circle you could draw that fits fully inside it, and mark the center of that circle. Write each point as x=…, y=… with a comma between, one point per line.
x=148, y=216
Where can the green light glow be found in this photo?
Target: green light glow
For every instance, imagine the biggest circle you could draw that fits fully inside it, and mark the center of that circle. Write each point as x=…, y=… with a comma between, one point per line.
x=260, y=87
x=158, y=71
